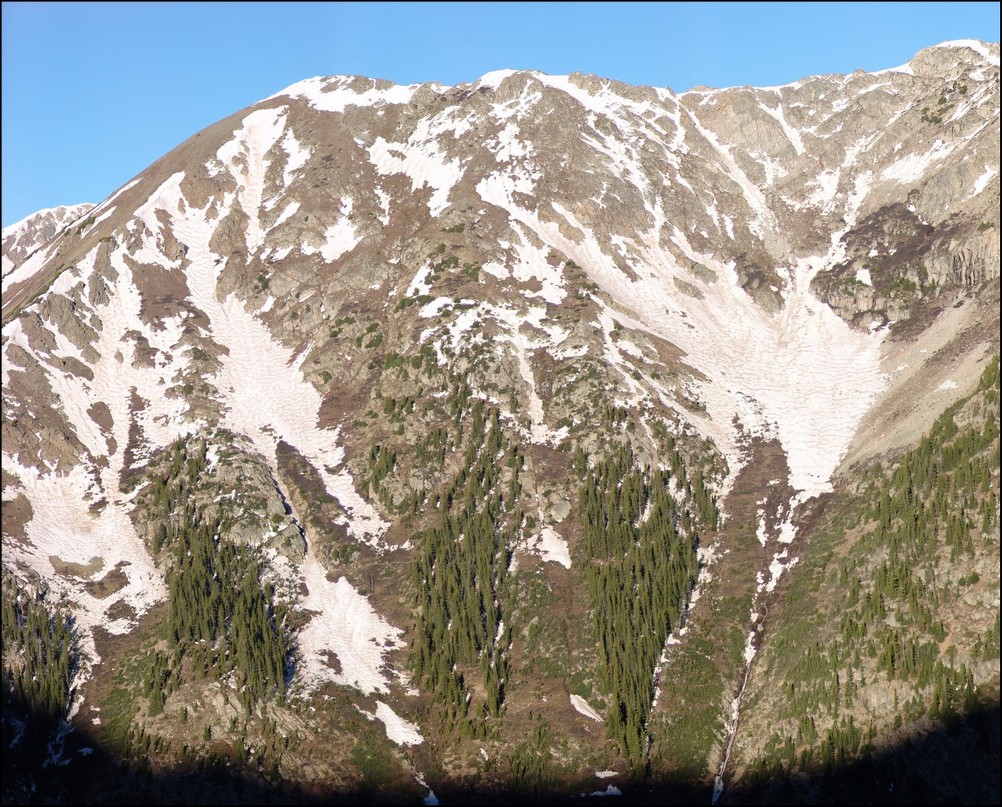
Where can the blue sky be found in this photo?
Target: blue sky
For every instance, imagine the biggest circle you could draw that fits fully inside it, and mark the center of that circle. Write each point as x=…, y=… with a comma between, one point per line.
x=94, y=92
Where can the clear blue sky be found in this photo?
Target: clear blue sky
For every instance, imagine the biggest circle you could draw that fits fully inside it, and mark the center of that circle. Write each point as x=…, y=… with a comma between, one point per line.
x=95, y=92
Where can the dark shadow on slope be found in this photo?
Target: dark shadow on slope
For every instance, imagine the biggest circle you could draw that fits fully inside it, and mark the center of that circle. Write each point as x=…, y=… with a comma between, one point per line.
x=958, y=764
x=26, y=735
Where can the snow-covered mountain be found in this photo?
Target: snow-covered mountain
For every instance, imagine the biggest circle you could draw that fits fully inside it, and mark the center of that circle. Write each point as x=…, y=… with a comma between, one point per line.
x=319, y=289
x=34, y=231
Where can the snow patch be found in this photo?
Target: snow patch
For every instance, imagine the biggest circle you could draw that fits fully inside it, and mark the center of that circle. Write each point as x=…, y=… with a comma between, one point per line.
x=29, y=268
x=583, y=707
x=115, y=195
x=611, y=790
x=245, y=156
x=976, y=45
x=341, y=238
x=384, y=206
x=912, y=167
x=761, y=532
x=791, y=133
x=398, y=730
x=344, y=624
x=552, y=547
x=98, y=220
x=297, y=157
x=328, y=94
x=435, y=307
x=982, y=181
x=494, y=78
x=539, y=432
x=423, y=163
x=66, y=527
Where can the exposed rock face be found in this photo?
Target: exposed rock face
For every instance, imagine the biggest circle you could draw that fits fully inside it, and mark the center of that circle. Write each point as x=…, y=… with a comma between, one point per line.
x=334, y=276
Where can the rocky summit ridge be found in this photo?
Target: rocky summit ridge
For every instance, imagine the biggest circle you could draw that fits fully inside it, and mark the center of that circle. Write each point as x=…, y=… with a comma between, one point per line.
x=410, y=347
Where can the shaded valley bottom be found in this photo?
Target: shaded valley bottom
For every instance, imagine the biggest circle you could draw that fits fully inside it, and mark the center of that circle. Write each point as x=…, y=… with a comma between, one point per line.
x=958, y=764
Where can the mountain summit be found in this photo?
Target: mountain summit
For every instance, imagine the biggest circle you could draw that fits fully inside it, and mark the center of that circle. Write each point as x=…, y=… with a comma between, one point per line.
x=385, y=438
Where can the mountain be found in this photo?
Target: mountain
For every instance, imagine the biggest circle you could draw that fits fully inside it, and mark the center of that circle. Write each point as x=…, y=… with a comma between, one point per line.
x=34, y=231
x=517, y=439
